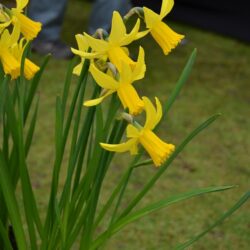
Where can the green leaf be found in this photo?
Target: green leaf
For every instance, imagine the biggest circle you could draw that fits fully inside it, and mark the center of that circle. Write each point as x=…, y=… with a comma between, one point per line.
x=31, y=129
x=11, y=203
x=33, y=87
x=229, y=212
x=118, y=225
x=182, y=80
x=5, y=237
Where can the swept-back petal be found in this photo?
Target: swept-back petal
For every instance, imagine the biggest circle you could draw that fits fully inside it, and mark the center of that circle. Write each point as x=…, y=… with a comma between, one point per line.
x=15, y=35
x=21, y=4
x=78, y=68
x=5, y=38
x=158, y=111
x=141, y=34
x=166, y=7
x=97, y=45
x=129, y=38
x=102, y=79
x=118, y=29
x=4, y=25
x=82, y=42
x=5, y=19
x=96, y=101
x=132, y=131
x=122, y=147
x=140, y=66
x=87, y=55
x=153, y=115
x=151, y=18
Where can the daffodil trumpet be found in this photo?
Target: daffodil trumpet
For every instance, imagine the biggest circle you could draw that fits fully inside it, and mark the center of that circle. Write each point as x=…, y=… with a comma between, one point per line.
x=158, y=150
x=160, y=31
x=122, y=86
x=29, y=28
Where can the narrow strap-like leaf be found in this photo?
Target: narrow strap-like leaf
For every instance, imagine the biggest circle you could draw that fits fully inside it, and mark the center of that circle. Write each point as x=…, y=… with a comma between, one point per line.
x=11, y=203
x=5, y=237
x=154, y=207
x=181, y=81
x=33, y=87
x=228, y=213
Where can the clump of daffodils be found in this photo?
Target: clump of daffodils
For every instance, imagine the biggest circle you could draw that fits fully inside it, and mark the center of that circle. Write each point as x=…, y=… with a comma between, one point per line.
x=122, y=71
x=16, y=30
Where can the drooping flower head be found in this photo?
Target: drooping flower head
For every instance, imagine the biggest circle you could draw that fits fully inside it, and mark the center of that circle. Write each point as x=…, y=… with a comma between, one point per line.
x=158, y=150
x=113, y=47
x=29, y=28
x=123, y=86
x=10, y=64
x=161, y=32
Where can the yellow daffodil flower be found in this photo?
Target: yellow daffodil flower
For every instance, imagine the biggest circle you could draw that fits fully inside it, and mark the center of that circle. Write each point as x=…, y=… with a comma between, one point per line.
x=29, y=28
x=10, y=64
x=5, y=19
x=158, y=150
x=113, y=48
x=161, y=32
x=123, y=86
x=82, y=46
x=30, y=69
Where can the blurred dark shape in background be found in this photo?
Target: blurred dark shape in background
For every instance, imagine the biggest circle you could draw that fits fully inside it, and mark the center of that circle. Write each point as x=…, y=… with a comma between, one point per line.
x=227, y=17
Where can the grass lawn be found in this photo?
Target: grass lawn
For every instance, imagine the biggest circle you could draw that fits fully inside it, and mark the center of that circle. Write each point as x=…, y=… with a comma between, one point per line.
x=219, y=156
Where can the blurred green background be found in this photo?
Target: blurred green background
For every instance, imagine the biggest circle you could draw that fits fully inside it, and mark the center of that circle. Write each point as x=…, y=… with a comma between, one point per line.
x=219, y=156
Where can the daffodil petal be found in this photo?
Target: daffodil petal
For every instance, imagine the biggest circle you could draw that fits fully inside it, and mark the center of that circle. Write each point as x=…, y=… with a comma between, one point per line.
x=102, y=79
x=86, y=55
x=158, y=111
x=82, y=42
x=7, y=39
x=97, y=101
x=15, y=34
x=78, y=68
x=21, y=4
x=152, y=115
x=132, y=35
x=166, y=7
x=122, y=147
x=97, y=45
x=4, y=25
x=141, y=34
x=151, y=18
x=132, y=131
x=118, y=29
x=140, y=66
